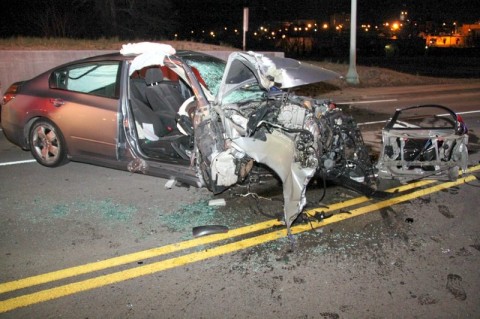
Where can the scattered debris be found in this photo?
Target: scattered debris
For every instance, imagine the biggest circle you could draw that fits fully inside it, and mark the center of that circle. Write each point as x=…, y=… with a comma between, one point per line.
x=217, y=202
x=137, y=165
x=253, y=195
x=170, y=183
x=321, y=216
x=209, y=230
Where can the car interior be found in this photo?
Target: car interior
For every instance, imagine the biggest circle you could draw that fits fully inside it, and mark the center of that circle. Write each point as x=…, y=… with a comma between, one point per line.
x=156, y=95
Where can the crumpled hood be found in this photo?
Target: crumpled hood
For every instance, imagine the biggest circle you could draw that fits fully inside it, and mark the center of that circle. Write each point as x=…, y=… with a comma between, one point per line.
x=249, y=67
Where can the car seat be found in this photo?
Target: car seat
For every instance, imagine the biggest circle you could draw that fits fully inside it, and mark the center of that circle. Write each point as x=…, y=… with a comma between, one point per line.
x=162, y=95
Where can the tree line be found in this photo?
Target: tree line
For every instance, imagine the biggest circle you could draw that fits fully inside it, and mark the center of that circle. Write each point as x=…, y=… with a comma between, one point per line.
x=126, y=19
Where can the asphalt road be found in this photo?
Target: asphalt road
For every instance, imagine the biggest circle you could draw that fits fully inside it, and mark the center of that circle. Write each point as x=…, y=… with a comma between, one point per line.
x=460, y=97
x=81, y=241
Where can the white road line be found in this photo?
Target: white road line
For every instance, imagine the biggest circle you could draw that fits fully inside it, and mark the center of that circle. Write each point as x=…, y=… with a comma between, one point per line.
x=466, y=112
x=17, y=162
x=366, y=102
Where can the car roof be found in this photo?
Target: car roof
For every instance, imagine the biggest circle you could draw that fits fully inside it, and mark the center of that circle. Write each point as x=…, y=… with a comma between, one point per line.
x=117, y=56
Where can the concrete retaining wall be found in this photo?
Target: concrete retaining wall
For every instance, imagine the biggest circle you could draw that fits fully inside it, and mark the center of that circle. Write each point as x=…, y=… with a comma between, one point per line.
x=23, y=65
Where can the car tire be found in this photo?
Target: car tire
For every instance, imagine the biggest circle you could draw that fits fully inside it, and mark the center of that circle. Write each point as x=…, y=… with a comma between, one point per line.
x=47, y=144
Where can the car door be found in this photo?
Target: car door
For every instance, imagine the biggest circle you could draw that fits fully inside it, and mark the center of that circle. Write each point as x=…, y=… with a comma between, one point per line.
x=86, y=98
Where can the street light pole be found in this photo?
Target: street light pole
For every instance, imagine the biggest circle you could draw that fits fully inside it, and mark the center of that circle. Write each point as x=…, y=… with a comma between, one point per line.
x=245, y=28
x=352, y=75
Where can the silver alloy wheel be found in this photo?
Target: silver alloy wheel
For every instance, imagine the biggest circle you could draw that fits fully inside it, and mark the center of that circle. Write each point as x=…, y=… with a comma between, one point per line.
x=46, y=144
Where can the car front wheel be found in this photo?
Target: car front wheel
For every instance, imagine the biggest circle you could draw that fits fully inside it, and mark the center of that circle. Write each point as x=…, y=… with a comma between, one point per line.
x=47, y=144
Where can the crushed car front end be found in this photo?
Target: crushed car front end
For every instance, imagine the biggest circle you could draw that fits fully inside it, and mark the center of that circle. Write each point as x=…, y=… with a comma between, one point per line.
x=426, y=141
x=256, y=119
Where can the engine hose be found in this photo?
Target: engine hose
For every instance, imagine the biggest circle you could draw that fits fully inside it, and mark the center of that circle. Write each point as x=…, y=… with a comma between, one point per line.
x=289, y=130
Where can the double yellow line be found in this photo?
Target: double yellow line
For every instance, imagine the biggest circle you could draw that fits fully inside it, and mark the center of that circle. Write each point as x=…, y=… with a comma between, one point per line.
x=103, y=280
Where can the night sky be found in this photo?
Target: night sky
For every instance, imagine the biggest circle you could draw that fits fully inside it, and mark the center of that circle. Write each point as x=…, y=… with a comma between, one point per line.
x=26, y=17
x=217, y=11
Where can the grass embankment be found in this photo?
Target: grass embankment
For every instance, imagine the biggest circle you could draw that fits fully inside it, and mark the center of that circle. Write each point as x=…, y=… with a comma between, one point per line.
x=29, y=43
x=382, y=77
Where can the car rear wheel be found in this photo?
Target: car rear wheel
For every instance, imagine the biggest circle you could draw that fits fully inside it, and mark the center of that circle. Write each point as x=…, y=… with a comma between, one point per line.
x=47, y=144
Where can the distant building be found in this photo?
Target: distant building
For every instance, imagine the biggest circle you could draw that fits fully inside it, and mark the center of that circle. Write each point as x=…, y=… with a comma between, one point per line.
x=446, y=41
x=468, y=36
x=472, y=34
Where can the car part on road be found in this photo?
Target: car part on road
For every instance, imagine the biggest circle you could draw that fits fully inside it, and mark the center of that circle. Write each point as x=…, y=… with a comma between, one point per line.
x=170, y=183
x=200, y=231
x=217, y=202
x=425, y=141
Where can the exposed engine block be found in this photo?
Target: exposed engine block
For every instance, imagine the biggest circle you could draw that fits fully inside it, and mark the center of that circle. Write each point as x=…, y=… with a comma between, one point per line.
x=292, y=116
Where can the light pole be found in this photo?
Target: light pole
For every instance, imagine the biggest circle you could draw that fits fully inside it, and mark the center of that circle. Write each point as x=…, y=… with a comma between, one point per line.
x=245, y=28
x=352, y=75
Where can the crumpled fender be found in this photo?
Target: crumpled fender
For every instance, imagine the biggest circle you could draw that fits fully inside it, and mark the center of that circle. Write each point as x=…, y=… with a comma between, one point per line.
x=277, y=152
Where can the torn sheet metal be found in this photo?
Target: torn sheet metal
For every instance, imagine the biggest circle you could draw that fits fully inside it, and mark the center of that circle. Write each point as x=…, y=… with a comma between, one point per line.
x=294, y=178
x=427, y=141
x=243, y=68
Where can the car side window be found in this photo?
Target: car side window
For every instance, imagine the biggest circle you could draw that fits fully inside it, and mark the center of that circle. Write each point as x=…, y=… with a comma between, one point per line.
x=97, y=78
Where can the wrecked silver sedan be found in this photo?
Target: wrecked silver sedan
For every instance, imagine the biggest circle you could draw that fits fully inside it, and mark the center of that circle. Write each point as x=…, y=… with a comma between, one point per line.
x=254, y=119
x=426, y=141
x=190, y=118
